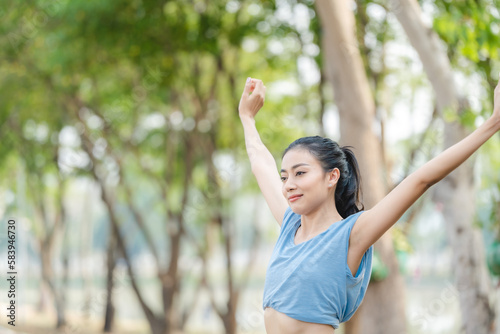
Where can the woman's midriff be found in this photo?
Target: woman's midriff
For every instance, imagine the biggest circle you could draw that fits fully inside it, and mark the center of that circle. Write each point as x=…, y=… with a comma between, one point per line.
x=279, y=323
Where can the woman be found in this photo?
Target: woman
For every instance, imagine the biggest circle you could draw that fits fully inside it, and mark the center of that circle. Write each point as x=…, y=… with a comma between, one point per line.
x=321, y=263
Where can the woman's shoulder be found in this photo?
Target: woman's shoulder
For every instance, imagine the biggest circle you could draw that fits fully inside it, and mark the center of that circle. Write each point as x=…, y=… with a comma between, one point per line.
x=353, y=217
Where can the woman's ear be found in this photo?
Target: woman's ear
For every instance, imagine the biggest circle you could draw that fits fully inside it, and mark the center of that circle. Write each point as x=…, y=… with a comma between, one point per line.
x=333, y=176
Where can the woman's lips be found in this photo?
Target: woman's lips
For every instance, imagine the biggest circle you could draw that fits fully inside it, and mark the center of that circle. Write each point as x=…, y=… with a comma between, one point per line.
x=294, y=198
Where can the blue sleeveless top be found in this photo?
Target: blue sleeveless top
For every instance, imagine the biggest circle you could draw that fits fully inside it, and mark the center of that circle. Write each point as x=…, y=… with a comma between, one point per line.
x=311, y=281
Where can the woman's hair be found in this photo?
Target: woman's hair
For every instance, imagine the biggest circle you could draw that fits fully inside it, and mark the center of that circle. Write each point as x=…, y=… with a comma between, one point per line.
x=331, y=155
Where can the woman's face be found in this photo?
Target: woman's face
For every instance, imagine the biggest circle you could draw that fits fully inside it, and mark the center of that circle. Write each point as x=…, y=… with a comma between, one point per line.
x=305, y=184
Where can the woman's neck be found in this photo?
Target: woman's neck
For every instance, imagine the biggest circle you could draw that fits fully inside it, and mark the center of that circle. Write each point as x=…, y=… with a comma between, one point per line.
x=319, y=219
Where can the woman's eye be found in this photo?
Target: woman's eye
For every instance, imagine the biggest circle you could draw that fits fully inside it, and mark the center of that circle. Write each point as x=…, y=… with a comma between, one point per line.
x=283, y=178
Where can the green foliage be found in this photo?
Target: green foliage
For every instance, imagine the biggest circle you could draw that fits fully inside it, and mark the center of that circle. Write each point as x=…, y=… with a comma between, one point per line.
x=470, y=29
x=493, y=258
x=380, y=271
x=141, y=85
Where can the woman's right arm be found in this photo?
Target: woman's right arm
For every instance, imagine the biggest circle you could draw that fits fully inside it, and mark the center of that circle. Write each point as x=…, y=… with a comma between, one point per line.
x=261, y=160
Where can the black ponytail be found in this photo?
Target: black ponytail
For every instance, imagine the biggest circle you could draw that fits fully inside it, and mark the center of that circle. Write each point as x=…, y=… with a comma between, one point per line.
x=348, y=191
x=331, y=155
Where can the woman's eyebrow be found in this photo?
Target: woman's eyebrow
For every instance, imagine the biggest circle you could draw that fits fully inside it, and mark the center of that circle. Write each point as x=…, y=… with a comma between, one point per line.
x=295, y=166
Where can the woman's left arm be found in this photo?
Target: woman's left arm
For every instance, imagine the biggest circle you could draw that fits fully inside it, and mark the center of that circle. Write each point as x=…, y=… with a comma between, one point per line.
x=373, y=223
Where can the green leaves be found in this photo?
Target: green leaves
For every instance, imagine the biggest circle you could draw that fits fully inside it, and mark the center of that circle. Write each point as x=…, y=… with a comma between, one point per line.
x=470, y=29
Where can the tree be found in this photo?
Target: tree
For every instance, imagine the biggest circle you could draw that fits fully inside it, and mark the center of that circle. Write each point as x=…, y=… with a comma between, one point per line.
x=455, y=192
x=382, y=310
x=111, y=68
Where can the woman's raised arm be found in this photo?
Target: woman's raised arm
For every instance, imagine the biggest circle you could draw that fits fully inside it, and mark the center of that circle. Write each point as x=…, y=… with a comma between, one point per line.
x=373, y=223
x=261, y=160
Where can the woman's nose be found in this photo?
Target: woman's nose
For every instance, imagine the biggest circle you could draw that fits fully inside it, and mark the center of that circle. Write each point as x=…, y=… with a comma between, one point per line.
x=289, y=185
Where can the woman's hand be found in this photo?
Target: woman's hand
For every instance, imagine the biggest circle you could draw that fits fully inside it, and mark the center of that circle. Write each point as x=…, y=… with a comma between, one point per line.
x=252, y=98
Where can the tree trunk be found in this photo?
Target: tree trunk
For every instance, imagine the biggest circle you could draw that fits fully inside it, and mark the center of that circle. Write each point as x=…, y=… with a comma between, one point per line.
x=158, y=325
x=47, y=244
x=48, y=279
x=234, y=287
x=383, y=309
x=65, y=278
x=111, y=263
x=86, y=233
x=229, y=319
x=456, y=191
x=169, y=278
x=456, y=194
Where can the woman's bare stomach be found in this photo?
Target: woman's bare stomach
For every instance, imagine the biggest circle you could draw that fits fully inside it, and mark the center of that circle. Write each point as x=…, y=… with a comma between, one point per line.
x=279, y=323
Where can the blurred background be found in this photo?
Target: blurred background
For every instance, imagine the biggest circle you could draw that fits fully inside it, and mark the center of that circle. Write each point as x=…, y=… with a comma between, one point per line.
x=123, y=163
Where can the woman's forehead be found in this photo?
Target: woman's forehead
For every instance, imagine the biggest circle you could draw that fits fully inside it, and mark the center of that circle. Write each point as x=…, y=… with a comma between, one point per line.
x=297, y=156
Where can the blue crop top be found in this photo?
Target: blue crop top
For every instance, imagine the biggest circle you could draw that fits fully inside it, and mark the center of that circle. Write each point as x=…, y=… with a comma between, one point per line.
x=311, y=281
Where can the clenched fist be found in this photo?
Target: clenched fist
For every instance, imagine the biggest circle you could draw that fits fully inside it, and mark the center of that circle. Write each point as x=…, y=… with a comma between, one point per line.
x=252, y=98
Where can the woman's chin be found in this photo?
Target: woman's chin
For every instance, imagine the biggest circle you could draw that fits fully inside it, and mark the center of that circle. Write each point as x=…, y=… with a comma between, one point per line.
x=296, y=208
